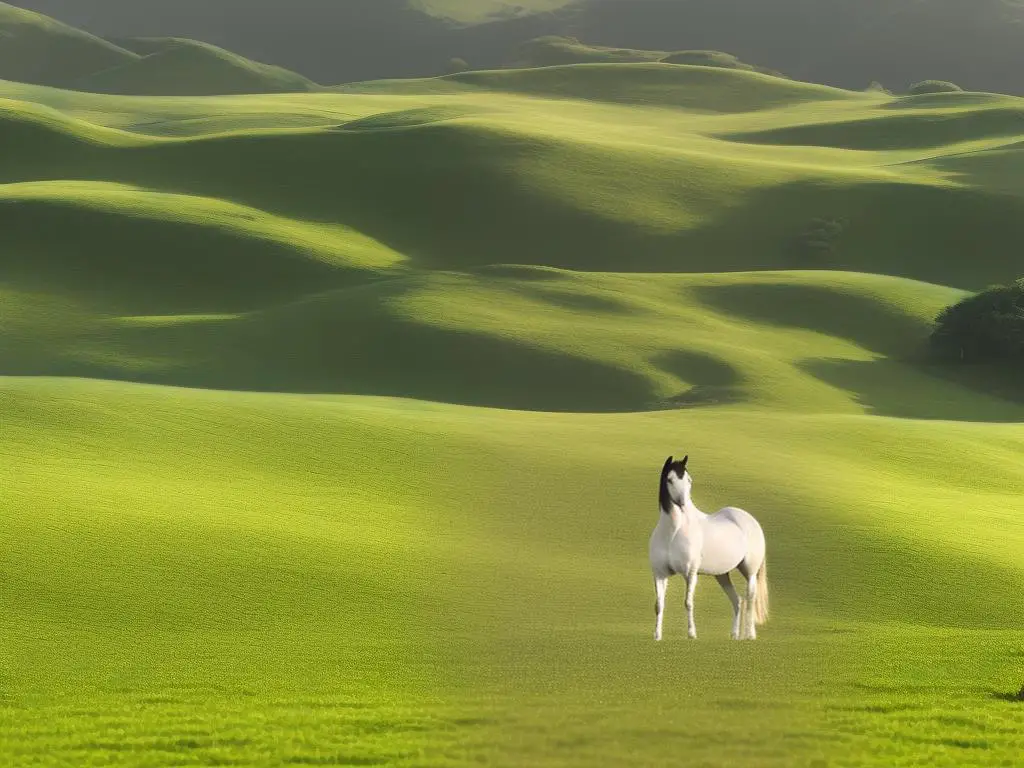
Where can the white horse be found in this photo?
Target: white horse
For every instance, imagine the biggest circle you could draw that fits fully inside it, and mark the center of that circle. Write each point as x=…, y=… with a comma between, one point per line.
x=688, y=542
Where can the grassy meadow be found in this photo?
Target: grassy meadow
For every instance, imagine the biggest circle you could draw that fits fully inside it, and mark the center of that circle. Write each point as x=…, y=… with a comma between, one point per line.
x=332, y=422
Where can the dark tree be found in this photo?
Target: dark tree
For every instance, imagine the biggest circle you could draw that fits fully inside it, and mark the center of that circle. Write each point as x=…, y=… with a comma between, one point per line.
x=455, y=66
x=988, y=326
x=817, y=244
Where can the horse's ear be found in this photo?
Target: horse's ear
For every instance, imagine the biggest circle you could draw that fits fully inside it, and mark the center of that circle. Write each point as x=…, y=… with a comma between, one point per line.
x=668, y=462
x=686, y=458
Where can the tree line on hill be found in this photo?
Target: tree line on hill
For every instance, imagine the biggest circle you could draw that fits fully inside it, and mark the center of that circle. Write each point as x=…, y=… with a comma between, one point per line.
x=985, y=327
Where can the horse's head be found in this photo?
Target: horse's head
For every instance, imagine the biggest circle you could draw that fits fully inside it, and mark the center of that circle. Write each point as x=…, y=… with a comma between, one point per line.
x=675, y=481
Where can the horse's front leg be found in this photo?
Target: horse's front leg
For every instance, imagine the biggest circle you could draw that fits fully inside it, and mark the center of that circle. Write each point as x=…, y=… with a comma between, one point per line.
x=691, y=586
x=660, y=586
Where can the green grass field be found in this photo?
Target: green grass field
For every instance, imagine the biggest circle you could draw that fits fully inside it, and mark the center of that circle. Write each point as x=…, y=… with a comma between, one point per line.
x=332, y=423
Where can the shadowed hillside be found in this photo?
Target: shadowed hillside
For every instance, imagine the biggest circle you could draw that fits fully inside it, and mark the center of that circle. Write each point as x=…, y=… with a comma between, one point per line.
x=978, y=44
x=40, y=50
x=37, y=49
x=447, y=172
x=288, y=257
x=175, y=67
x=326, y=42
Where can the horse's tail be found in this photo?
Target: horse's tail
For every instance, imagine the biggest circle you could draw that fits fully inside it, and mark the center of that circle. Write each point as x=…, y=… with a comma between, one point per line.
x=761, y=596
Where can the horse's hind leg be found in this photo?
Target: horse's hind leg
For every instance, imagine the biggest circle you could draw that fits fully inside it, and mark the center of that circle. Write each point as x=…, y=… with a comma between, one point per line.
x=734, y=598
x=748, y=607
x=748, y=631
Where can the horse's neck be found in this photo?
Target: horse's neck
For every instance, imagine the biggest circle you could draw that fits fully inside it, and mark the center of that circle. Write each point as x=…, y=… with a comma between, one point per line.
x=684, y=513
x=690, y=509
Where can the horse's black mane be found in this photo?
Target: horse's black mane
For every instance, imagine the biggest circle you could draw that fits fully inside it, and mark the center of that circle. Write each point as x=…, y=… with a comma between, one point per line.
x=664, y=500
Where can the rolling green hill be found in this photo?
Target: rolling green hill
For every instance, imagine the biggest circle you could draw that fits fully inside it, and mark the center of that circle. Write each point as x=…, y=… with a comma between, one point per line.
x=38, y=49
x=178, y=67
x=640, y=168
x=332, y=422
x=553, y=51
x=978, y=44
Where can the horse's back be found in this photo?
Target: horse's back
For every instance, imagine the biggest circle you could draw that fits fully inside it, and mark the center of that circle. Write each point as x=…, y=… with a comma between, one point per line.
x=725, y=543
x=738, y=515
x=750, y=527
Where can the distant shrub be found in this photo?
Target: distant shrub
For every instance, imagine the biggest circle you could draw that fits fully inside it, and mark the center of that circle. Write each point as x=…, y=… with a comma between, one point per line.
x=816, y=245
x=877, y=87
x=933, y=86
x=718, y=59
x=705, y=59
x=555, y=40
x=988, y=326
x=456, y=65
x=553, y=50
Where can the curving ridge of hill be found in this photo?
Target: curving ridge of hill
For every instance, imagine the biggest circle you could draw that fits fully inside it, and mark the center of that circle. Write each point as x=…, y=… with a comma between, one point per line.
x=554, y=50
x=978, y=44
x=39, y=50
x=692, y=87
x=851, y=44
x=177, y=67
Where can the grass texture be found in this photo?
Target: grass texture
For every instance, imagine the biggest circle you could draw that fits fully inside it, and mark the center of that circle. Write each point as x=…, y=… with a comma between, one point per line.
x=332, y=422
